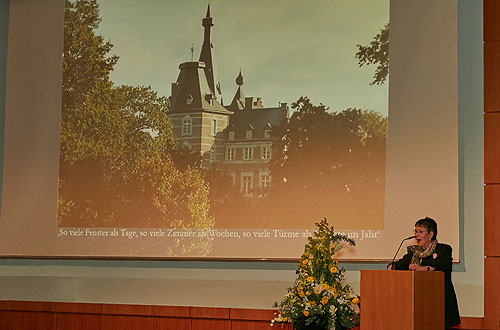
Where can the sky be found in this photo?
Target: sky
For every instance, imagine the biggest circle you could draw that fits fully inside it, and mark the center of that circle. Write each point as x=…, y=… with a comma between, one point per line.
x=285, y=48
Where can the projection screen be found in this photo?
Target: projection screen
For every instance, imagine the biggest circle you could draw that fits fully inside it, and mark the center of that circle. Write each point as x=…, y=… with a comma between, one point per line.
x=167, y=130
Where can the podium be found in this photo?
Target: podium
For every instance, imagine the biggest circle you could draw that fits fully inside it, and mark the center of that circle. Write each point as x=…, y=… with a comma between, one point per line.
x=402, y=300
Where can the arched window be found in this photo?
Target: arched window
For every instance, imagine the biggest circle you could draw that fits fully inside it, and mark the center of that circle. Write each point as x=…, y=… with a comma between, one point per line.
x=187, y=125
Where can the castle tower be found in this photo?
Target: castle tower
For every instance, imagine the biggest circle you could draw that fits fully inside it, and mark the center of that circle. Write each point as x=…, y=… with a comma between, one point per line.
x=196, y=112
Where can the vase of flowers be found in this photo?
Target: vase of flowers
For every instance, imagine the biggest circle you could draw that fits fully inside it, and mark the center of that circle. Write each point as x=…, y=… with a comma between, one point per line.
x=320, y=298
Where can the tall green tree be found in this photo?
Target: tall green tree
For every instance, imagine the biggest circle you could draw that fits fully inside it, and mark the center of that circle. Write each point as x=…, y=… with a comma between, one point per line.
x=331, y=163
x=376, y=53
x=89, y=126
x=119, y=164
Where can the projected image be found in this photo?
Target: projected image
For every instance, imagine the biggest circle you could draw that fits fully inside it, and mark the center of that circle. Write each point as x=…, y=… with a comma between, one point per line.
x=206, y=126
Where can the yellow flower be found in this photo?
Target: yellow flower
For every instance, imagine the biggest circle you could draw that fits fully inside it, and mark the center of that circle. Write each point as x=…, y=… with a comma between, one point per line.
x=355, y=301
x=351, y=295
x=310, y=279
x=306, y=313
x=301, y=294
x=299, y=288
x=335, y=295
x=335, y=262
x=285, y=319
x=313, y=303
x=325, y=286
x=333, y=269
x=324, y=300
x=305, y=261
x=308, y=292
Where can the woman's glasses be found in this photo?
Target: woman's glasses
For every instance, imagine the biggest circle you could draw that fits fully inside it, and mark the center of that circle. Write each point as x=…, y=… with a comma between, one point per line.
x=420, y=232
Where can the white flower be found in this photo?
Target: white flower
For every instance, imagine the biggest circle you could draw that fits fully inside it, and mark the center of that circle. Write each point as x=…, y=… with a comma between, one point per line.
x=333, y=309
x=318, y=288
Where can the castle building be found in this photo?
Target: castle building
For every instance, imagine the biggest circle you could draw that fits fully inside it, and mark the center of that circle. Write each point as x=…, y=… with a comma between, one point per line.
x=237, y=138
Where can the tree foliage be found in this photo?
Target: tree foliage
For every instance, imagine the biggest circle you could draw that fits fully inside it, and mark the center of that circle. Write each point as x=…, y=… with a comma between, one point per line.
x=119, y=164
x=376, y=53
x=331, y=163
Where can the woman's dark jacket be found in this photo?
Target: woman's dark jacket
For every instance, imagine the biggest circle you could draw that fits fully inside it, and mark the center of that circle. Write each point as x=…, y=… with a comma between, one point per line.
x=441, y=260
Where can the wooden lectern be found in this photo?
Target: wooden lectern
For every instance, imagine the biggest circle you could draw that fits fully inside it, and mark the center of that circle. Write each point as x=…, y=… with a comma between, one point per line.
x=402, y=300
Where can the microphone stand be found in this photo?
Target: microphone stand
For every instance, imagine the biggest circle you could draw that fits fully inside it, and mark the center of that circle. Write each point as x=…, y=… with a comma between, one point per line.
x=392, y=263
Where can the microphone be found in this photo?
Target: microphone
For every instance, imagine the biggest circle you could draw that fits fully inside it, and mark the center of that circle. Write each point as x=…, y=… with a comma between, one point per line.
x=409, y=237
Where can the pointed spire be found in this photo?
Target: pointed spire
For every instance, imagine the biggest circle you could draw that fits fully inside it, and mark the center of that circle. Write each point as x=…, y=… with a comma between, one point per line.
x=207, y=22
x=238, y=102
x=206, y=56
x=239, y=79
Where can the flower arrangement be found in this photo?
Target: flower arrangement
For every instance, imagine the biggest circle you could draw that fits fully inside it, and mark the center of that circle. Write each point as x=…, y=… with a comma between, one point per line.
x=320, y=297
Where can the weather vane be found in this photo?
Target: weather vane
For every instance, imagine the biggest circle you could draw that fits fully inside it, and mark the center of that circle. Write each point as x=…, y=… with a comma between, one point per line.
x=192, y=52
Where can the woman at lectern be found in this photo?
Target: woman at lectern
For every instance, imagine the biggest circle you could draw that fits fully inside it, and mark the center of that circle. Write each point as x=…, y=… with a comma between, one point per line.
x=429, y=255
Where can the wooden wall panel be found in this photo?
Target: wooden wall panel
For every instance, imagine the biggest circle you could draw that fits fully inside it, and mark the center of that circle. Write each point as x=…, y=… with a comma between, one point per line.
x=31, y=320
x=121, y=309
x=252, y=319
x=492, y=220
x=251, y=325
x=492, y=147
x=210, y=313
x=210, y=324
x=33, y=306
x=4, y=305
x=471, y=323
x=73, y=321
x=491, y=293
x=492, y=76
x=88, y=316
x=168, y=323
x=491, y=37
x=172, y=311
x=491, y=15
x=251, y=314
x=78, y=308
x=4, y=320
x=122, y=322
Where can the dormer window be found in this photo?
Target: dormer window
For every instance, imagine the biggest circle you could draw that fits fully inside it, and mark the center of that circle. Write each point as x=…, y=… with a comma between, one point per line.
x=209, y=99
x=231, y=135
x=249, y=134
x=189, y=99
x=267, y=134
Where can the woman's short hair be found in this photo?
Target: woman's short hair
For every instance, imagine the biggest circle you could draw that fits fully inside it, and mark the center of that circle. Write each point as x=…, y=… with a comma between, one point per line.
x=429, y=224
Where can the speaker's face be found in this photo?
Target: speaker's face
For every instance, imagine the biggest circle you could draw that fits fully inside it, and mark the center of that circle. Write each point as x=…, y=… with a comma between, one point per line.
x=423, y=237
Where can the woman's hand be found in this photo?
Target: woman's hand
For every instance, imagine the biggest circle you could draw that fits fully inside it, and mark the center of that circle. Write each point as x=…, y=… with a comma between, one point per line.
x=419, y=268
